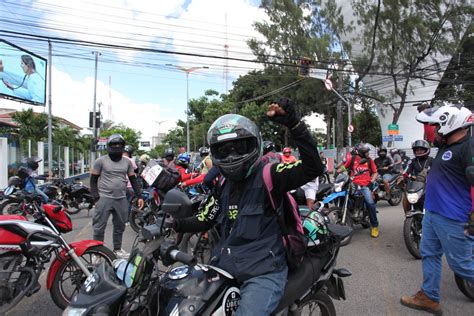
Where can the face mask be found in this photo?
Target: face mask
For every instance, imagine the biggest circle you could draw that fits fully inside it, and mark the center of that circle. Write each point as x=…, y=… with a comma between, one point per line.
x=115, y=156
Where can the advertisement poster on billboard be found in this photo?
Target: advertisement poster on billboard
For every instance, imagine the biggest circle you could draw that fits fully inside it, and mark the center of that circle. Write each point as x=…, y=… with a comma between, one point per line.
x=22, y=74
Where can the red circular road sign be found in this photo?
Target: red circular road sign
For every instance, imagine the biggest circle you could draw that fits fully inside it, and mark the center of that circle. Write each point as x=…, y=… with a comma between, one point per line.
x=350, y=128
x=328, y=84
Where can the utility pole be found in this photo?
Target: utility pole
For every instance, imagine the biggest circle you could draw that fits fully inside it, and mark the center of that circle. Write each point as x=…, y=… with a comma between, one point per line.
x=50, y=115
x=340, y=120
x=94, y=127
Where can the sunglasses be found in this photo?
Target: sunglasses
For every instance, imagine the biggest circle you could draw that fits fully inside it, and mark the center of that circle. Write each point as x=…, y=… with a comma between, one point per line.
x=237, y=147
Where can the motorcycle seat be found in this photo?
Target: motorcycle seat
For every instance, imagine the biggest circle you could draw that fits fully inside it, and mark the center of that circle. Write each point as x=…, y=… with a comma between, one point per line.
x=300, y=280
x=323, y=189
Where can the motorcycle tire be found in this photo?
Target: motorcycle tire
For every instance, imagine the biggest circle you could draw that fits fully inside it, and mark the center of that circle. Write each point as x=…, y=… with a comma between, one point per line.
x=466, y=287
x=319, y=303
x=396, y=196
x=71, y=273
x=8, y=207
x=411, y=242
x=349, y=223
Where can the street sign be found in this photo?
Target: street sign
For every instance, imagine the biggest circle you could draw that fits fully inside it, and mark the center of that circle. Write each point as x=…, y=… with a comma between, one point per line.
x=102, y=141
x=387, y=138
x=350, y=128
x=398, y=138
x=393, y=127
x=318, y=73
x=393, y=132
x=328, y=84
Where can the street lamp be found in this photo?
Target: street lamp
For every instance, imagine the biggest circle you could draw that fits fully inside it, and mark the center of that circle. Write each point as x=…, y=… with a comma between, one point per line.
x=159, y=126
x=187, y=70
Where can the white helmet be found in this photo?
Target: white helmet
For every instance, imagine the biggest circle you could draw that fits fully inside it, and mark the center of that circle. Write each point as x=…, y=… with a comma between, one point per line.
x=450, y=117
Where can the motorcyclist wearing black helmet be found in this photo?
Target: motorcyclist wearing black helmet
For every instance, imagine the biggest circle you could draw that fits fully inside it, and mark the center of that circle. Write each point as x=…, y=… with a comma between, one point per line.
x=384, y=164
x=405, y=158
x=269, y=153
x=419, y=165
x=249, y=228
x=169, y=158
x=108, y=187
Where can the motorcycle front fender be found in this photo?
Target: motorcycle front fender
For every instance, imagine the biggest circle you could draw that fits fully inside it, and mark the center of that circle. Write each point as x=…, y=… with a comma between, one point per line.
x=335, y=288
x=334, y=196
x=79, y=247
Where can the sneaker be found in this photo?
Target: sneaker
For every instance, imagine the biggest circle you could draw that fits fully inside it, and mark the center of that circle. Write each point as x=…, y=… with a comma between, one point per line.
x=120, y=253
x=422, y=302
x=374, y=232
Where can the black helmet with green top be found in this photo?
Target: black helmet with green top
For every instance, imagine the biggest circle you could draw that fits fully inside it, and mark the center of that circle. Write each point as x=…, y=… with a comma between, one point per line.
x=235, y=143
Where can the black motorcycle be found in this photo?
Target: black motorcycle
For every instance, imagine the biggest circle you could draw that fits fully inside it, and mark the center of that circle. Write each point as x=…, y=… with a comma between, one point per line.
x=415, y=192
x=75, y=197
x=200, y=289
x=396, y=192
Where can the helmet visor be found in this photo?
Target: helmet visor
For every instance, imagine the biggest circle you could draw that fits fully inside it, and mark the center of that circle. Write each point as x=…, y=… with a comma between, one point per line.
x=236, y=147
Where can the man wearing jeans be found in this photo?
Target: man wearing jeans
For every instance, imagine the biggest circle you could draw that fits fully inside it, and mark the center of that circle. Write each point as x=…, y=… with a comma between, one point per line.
x=365, y=170
x=448, y=205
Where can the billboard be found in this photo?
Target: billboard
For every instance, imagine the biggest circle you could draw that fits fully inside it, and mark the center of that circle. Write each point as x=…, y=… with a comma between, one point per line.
x=22, y=74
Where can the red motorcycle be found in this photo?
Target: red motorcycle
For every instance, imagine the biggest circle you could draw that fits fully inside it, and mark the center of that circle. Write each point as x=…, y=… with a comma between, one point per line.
x=26, y=247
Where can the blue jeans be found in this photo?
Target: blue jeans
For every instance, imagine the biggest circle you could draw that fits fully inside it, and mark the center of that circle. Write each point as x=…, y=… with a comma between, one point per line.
x=260, y=295
x=369, y=202
x=444, y=235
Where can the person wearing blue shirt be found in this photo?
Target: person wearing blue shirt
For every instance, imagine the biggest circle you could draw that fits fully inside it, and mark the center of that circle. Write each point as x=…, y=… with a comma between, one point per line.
x=449, y=218
x=29, y=178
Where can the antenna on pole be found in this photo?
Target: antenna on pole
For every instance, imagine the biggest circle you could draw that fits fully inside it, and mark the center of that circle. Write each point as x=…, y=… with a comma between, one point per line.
x=109, y=106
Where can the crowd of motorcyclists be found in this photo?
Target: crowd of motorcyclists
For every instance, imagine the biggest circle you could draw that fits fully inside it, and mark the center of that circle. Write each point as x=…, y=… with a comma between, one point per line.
x=240, y=156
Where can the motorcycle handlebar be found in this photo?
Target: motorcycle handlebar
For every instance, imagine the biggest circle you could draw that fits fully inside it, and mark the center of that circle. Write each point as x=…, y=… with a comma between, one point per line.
x=183, y=257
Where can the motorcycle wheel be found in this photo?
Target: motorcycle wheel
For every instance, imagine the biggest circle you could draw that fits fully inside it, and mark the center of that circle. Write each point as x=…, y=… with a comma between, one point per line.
x=69, y=277
x=316, y=304
x=411, y=235
x=349, y=222
x=10, y=208
x=466, y=287
x=395, y=196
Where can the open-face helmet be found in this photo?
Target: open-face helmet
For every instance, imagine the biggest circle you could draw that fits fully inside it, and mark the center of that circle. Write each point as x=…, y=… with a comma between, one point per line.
x=382, y=152
x=169, y=154
x=129, y=150
x=315, y=228
x=287, y=150
x=235, y=143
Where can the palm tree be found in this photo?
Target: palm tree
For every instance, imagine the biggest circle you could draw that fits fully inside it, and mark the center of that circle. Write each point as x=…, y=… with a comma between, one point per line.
x=33, y=126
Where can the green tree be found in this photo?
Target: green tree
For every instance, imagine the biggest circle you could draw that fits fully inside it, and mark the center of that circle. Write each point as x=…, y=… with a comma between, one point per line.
x=32, y=126
x=66, y=136
x=176, y=137
x=366, y=125
x=131, y=136
x=402, y=38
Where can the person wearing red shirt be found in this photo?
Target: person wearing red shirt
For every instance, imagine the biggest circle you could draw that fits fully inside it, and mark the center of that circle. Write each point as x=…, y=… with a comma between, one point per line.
x=366, y=171
x=182, y=163
x=287, y=156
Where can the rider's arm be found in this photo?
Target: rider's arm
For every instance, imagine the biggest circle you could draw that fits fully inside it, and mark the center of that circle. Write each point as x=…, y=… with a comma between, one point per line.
x=203, y=221
x=374, y=171
x=286, y=177
x=210, y=177
x=95, y=173
x=194, y=181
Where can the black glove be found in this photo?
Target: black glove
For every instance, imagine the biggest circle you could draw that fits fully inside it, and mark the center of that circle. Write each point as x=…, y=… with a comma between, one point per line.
x=469, y=227
x=288, y=118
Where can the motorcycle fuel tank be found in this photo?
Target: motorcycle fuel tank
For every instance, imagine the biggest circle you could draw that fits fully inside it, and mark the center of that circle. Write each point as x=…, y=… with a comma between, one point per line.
x=197, y=290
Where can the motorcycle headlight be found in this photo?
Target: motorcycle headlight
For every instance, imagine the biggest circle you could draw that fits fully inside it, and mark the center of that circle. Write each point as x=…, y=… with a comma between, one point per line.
x=412, y=198
x=71, y=311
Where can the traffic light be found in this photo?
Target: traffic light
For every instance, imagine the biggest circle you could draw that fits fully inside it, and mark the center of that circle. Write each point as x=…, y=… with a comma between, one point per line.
x=305, y=63
x=97, y=119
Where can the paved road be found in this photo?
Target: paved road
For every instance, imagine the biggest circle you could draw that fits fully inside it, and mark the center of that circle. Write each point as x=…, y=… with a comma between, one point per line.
x=382, y=268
